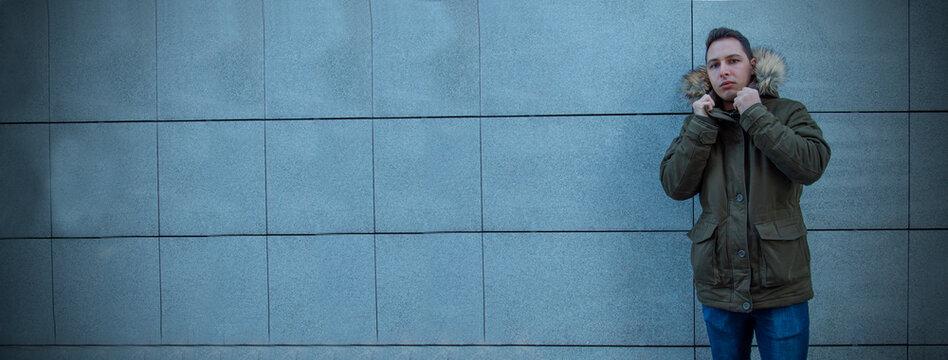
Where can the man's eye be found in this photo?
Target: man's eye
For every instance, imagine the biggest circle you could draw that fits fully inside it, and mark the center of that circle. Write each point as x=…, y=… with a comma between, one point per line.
x=734, y=61
x=713, y=66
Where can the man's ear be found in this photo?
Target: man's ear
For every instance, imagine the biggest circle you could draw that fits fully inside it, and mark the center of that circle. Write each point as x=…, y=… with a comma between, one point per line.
x=753, y=63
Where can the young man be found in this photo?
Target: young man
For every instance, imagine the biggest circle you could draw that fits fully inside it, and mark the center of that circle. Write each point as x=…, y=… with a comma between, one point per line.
x=747, y=153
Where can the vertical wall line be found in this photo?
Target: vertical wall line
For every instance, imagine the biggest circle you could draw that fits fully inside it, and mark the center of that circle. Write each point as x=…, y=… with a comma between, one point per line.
x=908, y=253
x=161, y=316
x=158, y=192
x=267, y=243
x=692, y=34
x=263, y=19
x=694, y=305
x=480, y=141
x=266, y=215
x=375, y=266
x=49, y=154
x=372, y=62
x=266, y=195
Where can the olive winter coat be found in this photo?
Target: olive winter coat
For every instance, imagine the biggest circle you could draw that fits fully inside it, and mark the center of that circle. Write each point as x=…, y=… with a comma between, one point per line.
x=749, y=247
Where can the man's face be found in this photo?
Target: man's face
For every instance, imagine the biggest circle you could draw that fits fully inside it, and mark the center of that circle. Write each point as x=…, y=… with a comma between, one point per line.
x=729, y=69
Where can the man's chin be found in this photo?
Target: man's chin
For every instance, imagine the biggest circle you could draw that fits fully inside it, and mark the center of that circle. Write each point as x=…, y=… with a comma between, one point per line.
x=728, y=96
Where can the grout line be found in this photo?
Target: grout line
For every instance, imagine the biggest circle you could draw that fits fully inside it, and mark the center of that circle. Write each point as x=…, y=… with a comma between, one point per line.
x=267, y=243
x=483, y=288
x=908, y=252
x=266, y=196
x=49, y=75
x=156, y=62
x=507, y=116
x=49, y=154
x=908, y=288
x=372, y=59
x=480, y=149
x=161, y=311
x=161, y=314
x=52, y=281
x=266, y=221
x=263, y=19
x=375, y=266
x=424, y=233
x=480, y=99
x=459, y=345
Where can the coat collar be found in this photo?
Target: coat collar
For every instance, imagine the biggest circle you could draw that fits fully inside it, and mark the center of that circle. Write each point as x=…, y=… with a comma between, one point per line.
x=771, y=72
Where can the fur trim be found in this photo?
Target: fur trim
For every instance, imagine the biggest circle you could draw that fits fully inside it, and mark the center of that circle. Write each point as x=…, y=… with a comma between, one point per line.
x=771, y=71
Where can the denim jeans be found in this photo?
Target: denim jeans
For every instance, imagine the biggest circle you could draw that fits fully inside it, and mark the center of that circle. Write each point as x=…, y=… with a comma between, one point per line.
x=782, y=333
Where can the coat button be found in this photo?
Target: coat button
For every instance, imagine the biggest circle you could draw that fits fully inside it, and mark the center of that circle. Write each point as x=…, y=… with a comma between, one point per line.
x=741, y=253
x=740, y=197
x=747, y=306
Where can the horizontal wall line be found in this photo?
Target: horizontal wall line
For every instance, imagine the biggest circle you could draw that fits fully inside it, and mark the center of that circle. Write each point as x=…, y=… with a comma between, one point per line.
x=441, y=345
x=446, y=117
x=418, y=233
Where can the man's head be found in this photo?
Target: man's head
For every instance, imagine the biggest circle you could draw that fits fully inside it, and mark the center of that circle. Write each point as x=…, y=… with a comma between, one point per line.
x=730, y=62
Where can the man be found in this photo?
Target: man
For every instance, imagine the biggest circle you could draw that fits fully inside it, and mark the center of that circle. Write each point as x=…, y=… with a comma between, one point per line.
x=748, y=153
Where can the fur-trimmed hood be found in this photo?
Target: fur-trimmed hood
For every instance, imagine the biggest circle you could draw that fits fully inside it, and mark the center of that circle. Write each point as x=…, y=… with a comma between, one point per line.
x=771, y=72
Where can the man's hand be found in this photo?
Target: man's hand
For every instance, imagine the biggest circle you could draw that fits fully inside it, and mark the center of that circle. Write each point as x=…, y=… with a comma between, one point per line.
x=745, y=98
x=703, y=105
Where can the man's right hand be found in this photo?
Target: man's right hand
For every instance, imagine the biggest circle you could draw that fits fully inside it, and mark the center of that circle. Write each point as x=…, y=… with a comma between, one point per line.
x=703, y=105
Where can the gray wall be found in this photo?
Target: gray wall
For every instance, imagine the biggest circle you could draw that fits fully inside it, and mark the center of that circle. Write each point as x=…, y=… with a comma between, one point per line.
x=355, y=179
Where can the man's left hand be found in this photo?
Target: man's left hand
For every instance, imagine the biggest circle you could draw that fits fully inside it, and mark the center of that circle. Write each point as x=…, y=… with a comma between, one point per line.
x=745, y=98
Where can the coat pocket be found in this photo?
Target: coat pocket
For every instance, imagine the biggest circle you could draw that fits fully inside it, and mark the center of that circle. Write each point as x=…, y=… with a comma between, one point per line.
x=785, y=256
x=704, y=255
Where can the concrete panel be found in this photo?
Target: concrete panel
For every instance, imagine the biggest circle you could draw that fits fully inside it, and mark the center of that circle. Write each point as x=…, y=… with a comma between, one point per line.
x=210, y=59
x=928, y=312
x=579, y=173
x=81, y=352
x=211, y=178
x=865, y=185
x=425, y=58
x=577, y=57
x=929, y=170
x=588, y=288
x=430, y=289
x=106, y=291
x=860, y=280
x=927, y=352
x=105, y=179
x=342, y=352
x=834, y=353
x=849, y=55
x=24, y=61
x=505, y=352
x=26, y=292
x=322, y=289
x=427, y=175
x=102, y=60
x=319, y=176
x=318, y=58
x=24, y=185
x=214, y=290
x=928, y=48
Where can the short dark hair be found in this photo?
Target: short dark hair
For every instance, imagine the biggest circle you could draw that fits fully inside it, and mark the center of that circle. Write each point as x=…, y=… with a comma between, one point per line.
x=723, y=33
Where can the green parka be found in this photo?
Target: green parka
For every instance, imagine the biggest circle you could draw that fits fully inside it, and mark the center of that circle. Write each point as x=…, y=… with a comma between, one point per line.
x=749, y=247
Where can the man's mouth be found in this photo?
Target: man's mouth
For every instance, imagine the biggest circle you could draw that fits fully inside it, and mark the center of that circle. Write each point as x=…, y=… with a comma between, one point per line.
x=727, y=84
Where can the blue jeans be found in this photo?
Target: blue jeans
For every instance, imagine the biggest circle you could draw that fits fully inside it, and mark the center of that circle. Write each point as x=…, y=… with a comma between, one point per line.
x=782, y=333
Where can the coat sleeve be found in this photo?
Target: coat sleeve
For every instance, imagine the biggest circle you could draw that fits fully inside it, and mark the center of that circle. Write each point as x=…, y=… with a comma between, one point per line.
x=796, y=148
x=682, y=167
